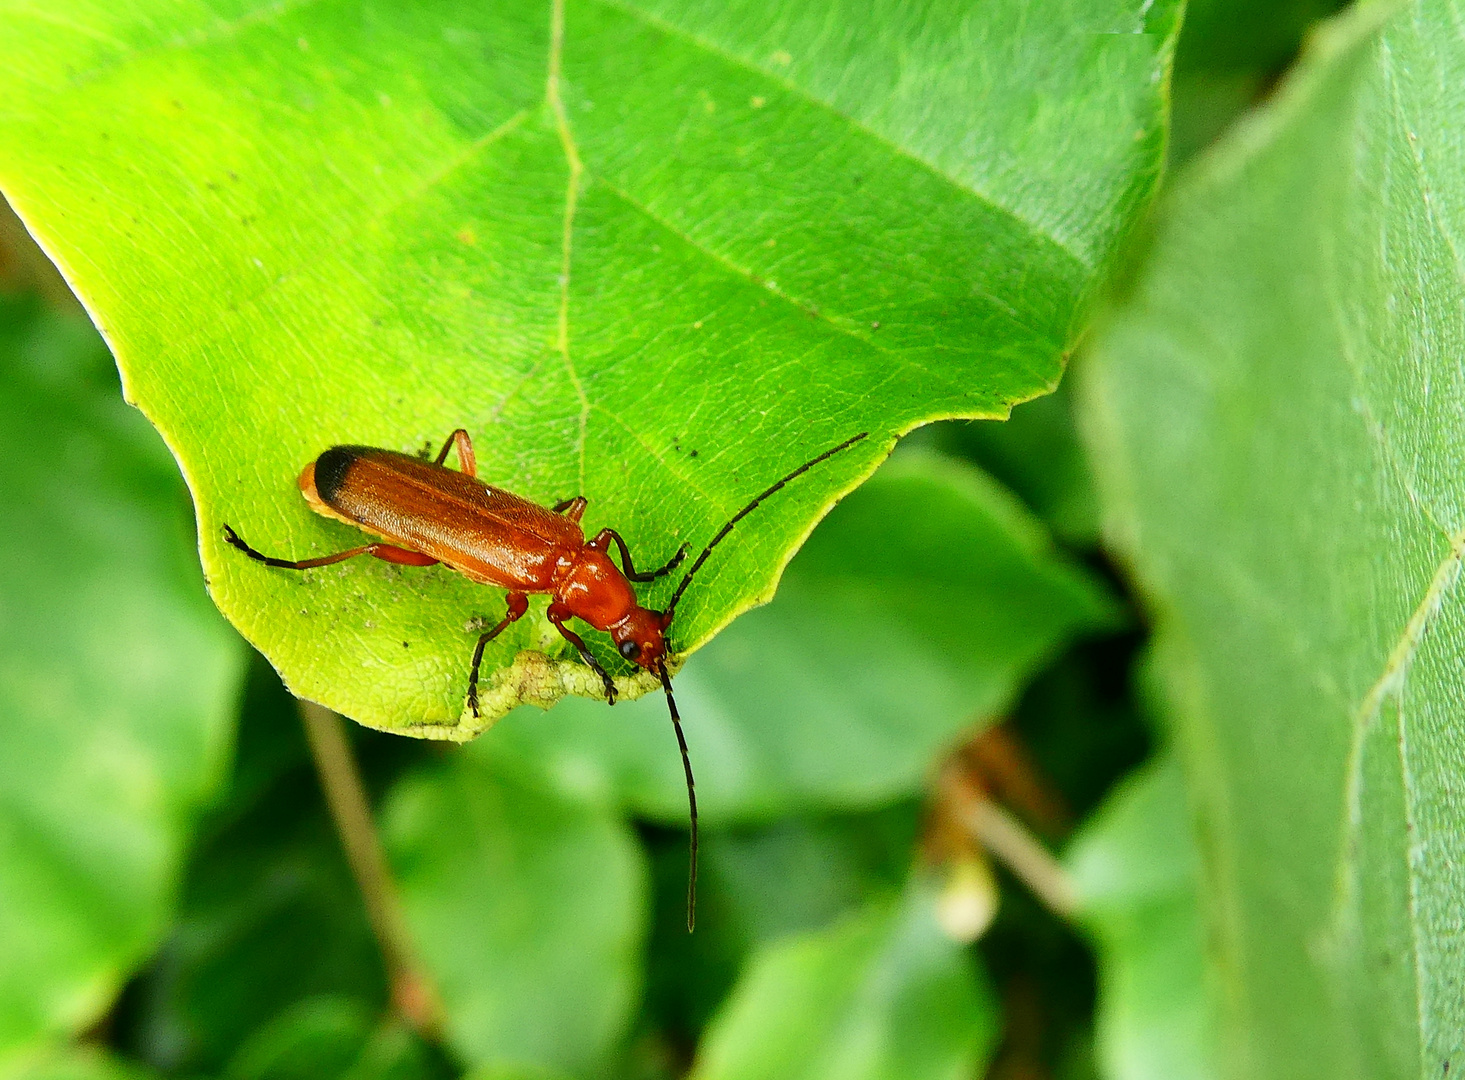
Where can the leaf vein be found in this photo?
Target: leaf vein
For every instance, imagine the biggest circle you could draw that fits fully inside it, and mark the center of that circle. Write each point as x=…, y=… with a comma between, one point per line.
x=800, y=306
x=1389, y=683
x=659, y=458
x=572, y=195
x=672, y=30
x=1411, y=826
x=1416, y=158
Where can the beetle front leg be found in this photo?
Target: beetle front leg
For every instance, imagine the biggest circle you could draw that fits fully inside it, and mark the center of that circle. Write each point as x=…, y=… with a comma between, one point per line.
x=518, y=604
x=557, y=614
x=602, y=542
x=605, y=537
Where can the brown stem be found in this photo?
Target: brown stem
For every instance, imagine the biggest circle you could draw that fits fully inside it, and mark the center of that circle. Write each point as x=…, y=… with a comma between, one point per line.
x=413, y=996
x=1006, y=769
x=1009, y=841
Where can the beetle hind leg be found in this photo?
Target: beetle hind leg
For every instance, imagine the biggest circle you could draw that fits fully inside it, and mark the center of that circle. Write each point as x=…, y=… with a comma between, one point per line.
x=518, y=604
x=384, y=552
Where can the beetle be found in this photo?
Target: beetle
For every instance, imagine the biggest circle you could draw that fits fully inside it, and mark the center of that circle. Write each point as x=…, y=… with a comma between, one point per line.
x=427, y=513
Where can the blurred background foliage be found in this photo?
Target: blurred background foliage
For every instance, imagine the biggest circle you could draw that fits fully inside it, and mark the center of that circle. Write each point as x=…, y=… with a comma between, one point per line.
x=876, y=895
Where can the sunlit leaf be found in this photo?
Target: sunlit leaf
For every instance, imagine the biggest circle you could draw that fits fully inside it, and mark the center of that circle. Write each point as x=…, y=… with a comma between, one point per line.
x=655, y=253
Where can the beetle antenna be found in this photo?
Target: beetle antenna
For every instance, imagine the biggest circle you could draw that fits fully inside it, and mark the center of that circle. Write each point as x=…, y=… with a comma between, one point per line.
x=676, y=723
x=744, y=512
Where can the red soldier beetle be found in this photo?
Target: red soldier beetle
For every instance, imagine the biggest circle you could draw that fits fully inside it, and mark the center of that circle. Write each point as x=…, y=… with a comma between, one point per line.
x=431, y=514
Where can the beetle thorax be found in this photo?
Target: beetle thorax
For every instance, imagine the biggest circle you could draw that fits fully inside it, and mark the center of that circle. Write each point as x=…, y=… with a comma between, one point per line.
x=594, y=589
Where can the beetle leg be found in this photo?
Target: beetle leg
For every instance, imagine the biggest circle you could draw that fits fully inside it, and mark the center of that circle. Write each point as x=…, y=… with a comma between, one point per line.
x=385, y=552
x=606, y=536
x=571, y=508
x=467, y=461
x=518, y=604
x=558, y=615
x=400, y=556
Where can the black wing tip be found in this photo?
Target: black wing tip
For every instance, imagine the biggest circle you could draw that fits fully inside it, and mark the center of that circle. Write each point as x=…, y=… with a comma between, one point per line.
x=331, y=469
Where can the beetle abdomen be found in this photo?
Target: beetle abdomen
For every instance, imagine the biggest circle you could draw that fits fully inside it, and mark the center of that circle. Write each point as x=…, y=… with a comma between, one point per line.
x=490, y=535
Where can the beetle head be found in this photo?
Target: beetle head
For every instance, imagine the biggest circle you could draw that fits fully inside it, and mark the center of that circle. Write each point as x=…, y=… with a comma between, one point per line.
x=640, y=637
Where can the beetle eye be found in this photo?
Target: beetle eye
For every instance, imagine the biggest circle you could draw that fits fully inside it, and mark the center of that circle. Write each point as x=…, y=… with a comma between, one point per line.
x=629, y=649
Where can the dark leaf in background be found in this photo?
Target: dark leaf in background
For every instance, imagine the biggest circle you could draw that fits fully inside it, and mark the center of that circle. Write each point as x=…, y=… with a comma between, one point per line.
x=335, y=1038
x=269, y=915
x=528, y=908
x=758, y=884
x=513, y=1072
x=1246, y=35
x=1037, y=455
x=1079, y=721
x=117, y=680
x=1229, y=57
x=315, y=1038
x=1043, y=973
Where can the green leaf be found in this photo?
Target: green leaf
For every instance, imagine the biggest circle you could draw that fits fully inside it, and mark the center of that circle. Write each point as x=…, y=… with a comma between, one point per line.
x=800, y=874
x=1080, y=723
x=757, y=884
x=882, y=994
x=1136, y=871
x=528, y=910
x=930, y=570
x=316, y=1038
x=1275, y=417
x=117, y=680
x=333, y=1038
x=513, y=1073
x=1226, y=36
x=657, y=253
